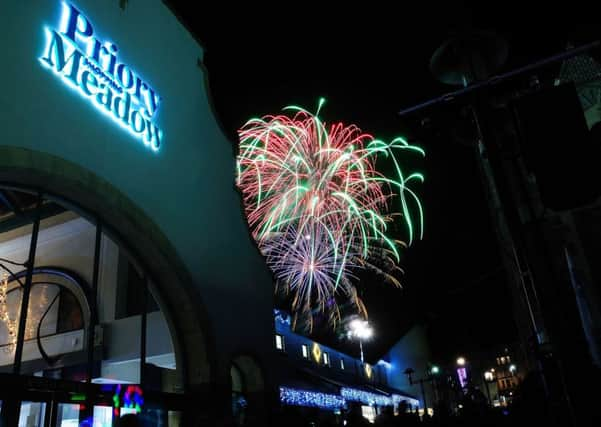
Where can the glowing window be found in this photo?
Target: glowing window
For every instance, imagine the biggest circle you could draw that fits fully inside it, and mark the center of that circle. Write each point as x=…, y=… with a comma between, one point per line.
x=305, y=351
x=279, y=342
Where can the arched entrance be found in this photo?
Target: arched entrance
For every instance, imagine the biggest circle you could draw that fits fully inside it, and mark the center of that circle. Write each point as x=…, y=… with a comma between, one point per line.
x=248, y=390
x=60, y=197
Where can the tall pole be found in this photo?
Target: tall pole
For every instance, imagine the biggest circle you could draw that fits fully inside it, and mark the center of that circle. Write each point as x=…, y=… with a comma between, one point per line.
x=361, y=348
x=488, y=392
x=33, y=243
x=421, y=383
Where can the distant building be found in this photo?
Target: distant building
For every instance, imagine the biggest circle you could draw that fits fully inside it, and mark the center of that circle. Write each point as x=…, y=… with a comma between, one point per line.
x=506, y=376
x=311, y=374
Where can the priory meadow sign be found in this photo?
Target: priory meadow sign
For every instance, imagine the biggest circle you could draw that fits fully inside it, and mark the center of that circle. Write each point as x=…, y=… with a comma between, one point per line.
x=91, y=67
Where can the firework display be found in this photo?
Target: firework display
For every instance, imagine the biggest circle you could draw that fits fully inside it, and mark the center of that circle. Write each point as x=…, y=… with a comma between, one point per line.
x=318, y=207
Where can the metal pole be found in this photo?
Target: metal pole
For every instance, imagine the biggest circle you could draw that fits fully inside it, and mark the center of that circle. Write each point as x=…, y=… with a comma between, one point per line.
x=421, y=383
x=27, y=288
x=498, y=79
x=361, y=347
x=143, y=322
x=488, y=392
x=94, y=303
x=436, y=391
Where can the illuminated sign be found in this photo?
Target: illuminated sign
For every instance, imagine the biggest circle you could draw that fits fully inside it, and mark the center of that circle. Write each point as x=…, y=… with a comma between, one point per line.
x=91, y=66
x=316, y=352
x=368, y=371
x=462, y=375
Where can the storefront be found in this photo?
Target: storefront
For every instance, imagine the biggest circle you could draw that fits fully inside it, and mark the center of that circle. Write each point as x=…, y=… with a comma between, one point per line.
x=130, y=282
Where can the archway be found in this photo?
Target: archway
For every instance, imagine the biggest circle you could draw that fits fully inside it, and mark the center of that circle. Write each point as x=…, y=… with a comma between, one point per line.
x=73, y=186
x=248, y=389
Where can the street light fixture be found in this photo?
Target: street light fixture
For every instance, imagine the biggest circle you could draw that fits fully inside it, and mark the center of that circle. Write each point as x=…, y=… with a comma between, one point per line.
x=409, y=372
x=361, y=330
x=461, y=361
x=489, y=377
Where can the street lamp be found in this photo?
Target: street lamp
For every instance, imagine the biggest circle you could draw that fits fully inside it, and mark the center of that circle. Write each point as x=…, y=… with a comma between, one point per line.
x=361, y=330
x=461, y=361
x=489, y=378
x=430, y=376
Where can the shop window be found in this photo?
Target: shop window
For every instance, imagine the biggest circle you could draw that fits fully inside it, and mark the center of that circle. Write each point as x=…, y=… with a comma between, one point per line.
x=32, y=414
x=369, y=413
x=72, y=255
x=131, y=291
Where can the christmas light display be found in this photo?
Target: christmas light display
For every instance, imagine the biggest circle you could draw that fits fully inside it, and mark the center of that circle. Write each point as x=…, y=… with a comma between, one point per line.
x=290, y=396
x=318, y=207
x=10, y=315
x=355, y=395
x=10, y=324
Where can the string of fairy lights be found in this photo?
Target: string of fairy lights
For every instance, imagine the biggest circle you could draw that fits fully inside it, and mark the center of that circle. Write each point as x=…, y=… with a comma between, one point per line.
x=297, y=397
x=10, y=317
x=9, y=323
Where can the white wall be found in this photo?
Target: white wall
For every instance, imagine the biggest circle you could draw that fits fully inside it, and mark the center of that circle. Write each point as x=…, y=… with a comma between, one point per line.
x=187, y=188
x=411, y=351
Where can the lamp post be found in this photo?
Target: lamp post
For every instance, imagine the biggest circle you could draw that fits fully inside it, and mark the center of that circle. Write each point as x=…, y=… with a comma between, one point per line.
x=488, y=378
x=430, y=376
x=361, y=330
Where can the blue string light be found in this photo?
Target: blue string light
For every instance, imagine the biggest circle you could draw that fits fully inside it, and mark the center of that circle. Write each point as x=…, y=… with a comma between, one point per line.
x=290, y=396
x=366, y=397
x=396, y=399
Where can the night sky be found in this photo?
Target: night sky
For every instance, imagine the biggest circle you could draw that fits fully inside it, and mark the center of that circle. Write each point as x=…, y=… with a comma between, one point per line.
x=370, y=60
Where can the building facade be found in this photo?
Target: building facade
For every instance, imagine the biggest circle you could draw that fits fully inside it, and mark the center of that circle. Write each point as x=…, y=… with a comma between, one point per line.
x=130, y=280
x=313, y=375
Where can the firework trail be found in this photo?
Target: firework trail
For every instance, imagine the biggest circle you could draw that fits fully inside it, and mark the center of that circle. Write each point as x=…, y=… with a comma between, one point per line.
x=318, y=208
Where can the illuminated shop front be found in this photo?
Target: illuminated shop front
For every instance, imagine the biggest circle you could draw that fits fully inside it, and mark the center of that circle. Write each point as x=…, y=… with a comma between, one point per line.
x=123, y=246
x=312, y=375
